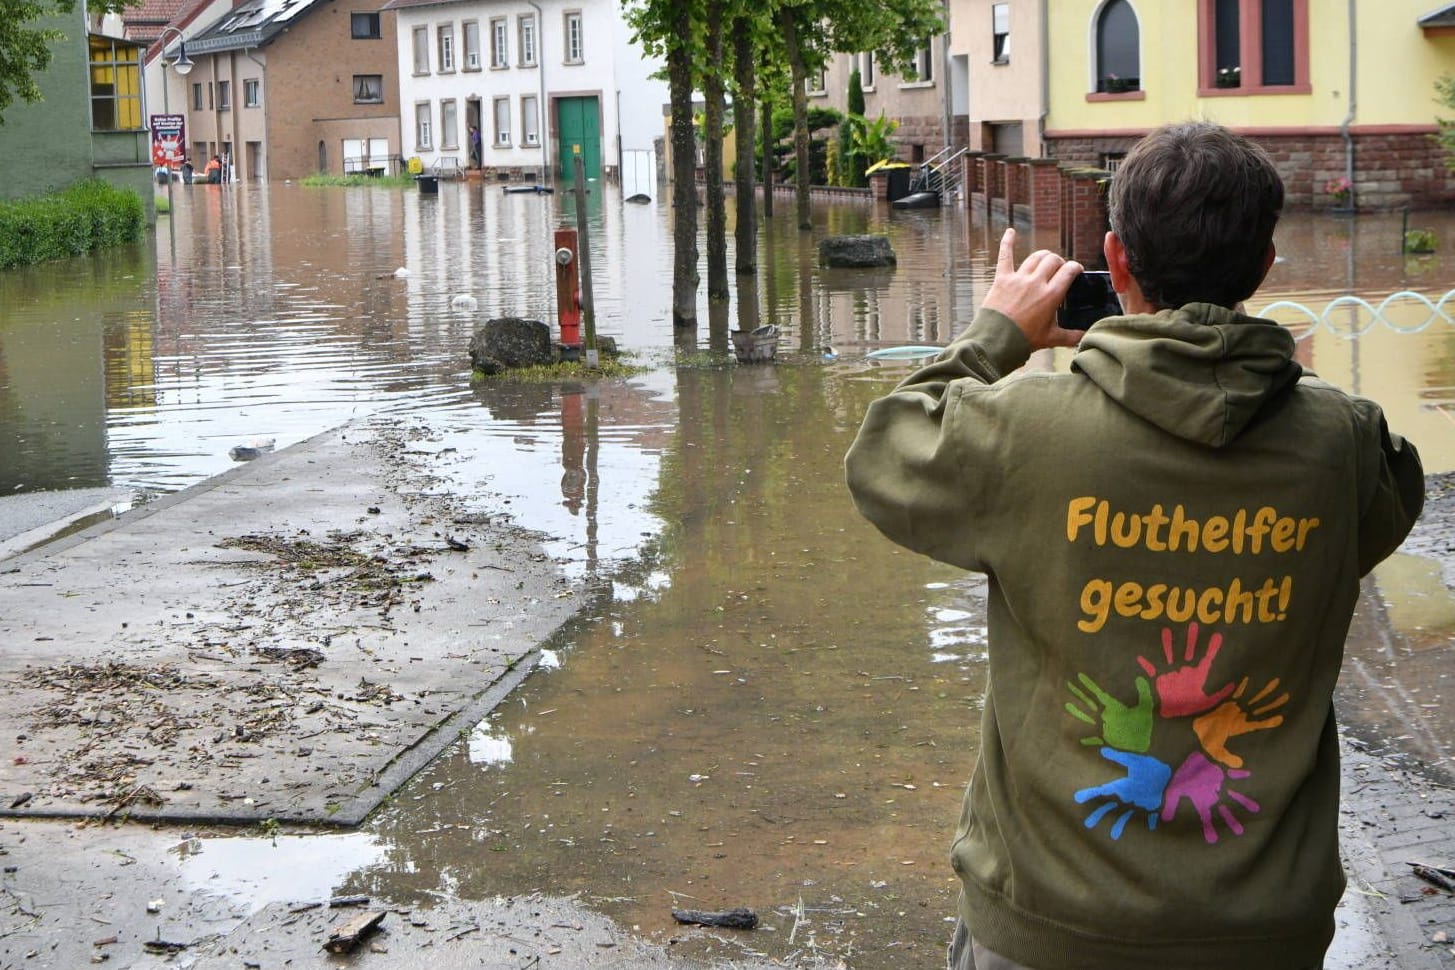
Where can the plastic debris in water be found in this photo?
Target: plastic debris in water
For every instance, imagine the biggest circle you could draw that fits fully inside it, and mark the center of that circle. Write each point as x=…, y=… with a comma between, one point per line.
x=250, y=449
x=903, y=353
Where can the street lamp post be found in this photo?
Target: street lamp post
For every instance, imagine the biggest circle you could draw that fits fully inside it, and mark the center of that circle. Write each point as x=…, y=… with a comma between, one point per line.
x=182, y=64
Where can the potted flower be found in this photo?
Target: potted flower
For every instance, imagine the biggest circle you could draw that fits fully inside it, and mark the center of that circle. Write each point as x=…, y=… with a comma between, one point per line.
x=1230, y=77
x=1339, y=190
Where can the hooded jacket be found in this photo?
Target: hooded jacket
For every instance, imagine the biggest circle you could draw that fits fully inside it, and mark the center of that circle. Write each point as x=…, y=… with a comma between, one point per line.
x=1174, y=534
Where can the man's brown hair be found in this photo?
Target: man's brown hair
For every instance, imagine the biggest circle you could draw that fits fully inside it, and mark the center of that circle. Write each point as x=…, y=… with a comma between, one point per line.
x=1195, y=205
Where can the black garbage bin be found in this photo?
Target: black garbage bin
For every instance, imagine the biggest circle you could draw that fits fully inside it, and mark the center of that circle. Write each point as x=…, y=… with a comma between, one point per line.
x=897, y=181
x=428, y=184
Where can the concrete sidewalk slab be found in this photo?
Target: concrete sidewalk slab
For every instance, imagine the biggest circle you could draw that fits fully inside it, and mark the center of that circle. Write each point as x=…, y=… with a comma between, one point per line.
x=289, y=641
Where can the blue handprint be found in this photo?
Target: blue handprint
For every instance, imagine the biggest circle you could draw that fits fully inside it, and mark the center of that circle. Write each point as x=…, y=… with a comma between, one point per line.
x=1142, y=789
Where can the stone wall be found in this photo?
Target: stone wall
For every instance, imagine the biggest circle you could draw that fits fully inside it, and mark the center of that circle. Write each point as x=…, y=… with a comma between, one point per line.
x=1392, y=168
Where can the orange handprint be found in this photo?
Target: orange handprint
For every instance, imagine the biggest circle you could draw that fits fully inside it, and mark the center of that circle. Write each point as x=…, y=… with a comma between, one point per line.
x=1183, y=690
x=1233, y=718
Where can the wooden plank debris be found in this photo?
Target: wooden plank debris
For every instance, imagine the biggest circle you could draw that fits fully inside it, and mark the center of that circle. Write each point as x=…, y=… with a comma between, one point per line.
x=344, y=936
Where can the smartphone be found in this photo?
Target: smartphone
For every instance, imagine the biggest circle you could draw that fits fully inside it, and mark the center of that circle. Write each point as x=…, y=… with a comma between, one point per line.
x=1088, y=300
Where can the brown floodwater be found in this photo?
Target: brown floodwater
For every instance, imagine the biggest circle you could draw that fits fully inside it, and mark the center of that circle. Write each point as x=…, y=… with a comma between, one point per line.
x=765, y=704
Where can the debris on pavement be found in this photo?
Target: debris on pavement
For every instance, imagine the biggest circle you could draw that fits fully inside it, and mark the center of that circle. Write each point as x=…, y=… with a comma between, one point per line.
x=1435, y=875
x=733, y=919
x=346, y=935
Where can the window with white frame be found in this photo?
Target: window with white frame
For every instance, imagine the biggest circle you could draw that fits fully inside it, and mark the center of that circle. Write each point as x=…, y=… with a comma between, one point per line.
x=423, y=131
x=816, y=82
x=196, y=95
x=924, y=63
x=446, y=34
x=502, y=122
x=530, y=120
x=572, y=37
x=472, y=45
x=224, y=95
x=368, y=89
x=527, y=40
x=1000, y=33
x=449, y=124
x=252, y=93
x=866, y=70
x=499, y=51
x=1118, y=59
x=421, y=50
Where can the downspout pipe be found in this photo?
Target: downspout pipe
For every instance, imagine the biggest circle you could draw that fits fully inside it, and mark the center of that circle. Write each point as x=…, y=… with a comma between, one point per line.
x=1046, y=78
x=1353, y=102
x=543, y=114
x=248, y=51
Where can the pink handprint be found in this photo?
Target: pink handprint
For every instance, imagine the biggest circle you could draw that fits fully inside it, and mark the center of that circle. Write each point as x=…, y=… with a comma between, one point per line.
x=1183, y=690
x=1200, y=781
x=1232, y=718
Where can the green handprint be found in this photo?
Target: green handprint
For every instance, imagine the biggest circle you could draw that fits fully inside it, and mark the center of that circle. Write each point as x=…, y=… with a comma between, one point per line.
x=1127, y=728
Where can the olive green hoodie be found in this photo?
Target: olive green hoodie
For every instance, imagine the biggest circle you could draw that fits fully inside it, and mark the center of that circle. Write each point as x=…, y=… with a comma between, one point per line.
x=1174, y=534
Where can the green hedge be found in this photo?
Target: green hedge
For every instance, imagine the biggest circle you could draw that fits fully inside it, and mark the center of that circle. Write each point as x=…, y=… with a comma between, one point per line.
x=88, y=216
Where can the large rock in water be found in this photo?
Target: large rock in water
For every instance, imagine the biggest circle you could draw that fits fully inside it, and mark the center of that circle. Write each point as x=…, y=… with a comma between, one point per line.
x=509, y=342
x=855, y=251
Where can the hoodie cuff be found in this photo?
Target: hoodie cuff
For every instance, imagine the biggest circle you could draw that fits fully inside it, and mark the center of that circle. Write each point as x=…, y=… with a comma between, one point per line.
x=996, y=342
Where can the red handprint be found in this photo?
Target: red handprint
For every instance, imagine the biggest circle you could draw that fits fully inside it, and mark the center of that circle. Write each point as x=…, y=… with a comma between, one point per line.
x=1183, y=690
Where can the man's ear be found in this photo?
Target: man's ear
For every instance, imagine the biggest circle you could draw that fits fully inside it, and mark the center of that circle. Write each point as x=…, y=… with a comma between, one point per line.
x=1268, y=259
x=1128, y=290
x=1116, y=262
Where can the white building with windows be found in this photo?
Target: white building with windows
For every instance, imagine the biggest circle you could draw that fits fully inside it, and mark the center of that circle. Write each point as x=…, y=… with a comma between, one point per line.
x=538, y=79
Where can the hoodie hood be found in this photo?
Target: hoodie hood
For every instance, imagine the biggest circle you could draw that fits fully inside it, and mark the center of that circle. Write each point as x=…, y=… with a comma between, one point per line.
x=1201, y=372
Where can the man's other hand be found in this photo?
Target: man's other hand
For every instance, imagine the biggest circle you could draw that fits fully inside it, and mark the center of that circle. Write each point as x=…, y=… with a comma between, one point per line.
x=1030, y=294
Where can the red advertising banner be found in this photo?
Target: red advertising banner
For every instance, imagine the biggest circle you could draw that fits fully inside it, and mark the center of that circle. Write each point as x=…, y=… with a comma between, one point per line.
x=169, y=140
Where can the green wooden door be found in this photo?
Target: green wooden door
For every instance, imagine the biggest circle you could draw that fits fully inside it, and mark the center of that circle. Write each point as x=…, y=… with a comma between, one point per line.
x=578, y=121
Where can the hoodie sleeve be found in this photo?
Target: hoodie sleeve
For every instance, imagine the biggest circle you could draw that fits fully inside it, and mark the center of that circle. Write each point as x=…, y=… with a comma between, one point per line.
x=1395, y=493
x=915, y=472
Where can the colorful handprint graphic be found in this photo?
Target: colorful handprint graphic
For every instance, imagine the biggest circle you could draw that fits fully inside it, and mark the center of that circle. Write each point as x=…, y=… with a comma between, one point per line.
x=1173, y=699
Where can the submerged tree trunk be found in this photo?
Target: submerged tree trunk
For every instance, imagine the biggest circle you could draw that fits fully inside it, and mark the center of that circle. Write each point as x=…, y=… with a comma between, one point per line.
x=766, y=110
x=684, y=173
x=712, y=93
x=744, y=92
x=799, y=74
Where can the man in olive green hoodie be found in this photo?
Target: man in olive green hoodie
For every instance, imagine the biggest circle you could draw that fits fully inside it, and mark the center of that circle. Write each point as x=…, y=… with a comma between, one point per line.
x=1174, y=533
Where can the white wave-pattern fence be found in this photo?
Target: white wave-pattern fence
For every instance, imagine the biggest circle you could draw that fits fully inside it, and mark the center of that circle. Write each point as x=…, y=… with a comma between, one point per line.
x=1354, y=316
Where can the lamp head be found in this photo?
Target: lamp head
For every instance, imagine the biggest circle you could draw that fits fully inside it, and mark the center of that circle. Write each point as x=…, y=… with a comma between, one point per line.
x=182, y=64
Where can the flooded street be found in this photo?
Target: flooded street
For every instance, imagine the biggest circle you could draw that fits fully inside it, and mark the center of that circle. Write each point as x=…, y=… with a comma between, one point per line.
x=765, y=704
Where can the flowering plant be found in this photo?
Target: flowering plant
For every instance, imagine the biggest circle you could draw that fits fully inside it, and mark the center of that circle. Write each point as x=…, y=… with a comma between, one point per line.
x=1230, y=77
x=1338, y=189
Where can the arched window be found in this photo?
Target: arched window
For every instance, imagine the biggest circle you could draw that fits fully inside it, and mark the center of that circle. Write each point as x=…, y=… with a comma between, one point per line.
x=1118, y=44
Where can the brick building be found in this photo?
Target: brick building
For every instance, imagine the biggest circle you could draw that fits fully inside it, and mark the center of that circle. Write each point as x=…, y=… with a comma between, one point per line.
x=286, y=88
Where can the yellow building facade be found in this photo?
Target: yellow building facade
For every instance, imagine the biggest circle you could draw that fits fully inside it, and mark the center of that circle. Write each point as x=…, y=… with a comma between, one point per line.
x=1333, y=90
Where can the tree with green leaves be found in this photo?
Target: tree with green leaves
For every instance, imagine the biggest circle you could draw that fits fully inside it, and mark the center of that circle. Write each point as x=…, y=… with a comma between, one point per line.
x=25, y=47
x=815, y=29
x=1445, y=96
